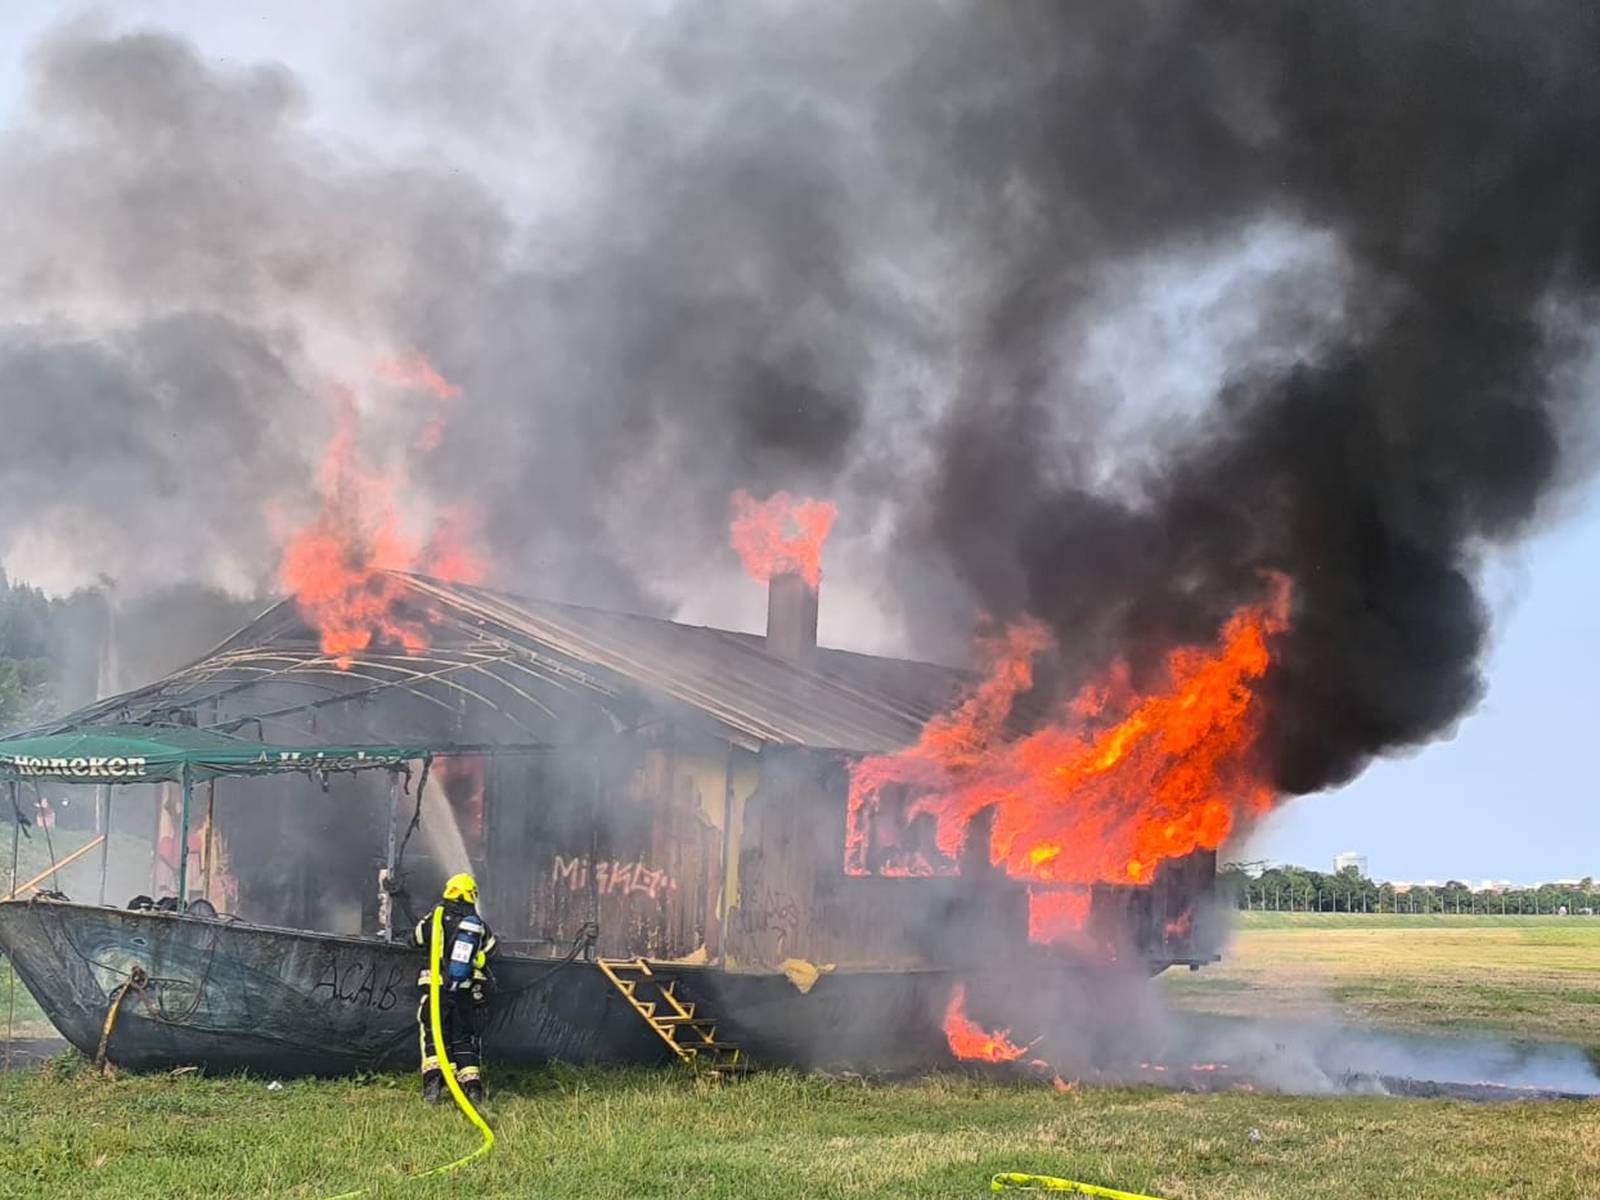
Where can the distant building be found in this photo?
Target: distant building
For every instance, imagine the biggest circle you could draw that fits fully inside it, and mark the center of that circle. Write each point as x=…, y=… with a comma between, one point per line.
x=1350, y=859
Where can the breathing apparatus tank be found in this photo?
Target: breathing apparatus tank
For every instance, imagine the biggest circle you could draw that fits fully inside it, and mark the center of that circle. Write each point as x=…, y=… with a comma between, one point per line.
x=464, y=951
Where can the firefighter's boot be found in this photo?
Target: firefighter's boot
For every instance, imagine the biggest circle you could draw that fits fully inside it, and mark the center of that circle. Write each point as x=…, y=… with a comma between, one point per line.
x=471, y=1084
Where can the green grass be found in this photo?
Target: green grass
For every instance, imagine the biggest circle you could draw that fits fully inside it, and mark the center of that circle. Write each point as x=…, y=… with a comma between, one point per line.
x=600, y=1135
x=1525, y=977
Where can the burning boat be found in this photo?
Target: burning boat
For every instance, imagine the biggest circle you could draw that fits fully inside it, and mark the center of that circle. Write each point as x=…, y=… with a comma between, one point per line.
x=653, y=809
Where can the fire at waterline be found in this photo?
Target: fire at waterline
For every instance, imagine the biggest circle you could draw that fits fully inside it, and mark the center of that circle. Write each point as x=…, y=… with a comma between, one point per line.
x=828, y=851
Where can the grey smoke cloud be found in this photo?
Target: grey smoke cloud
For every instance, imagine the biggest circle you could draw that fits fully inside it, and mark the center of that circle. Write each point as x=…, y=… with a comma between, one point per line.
x=947, y=264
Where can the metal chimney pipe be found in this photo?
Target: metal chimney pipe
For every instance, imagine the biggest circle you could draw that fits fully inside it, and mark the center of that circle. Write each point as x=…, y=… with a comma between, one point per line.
x=791, y=618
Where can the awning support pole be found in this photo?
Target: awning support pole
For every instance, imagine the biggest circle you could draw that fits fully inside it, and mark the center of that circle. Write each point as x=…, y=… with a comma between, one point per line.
x=105, y=828
x=385, y=898
x=183, y=839
x=16, y=832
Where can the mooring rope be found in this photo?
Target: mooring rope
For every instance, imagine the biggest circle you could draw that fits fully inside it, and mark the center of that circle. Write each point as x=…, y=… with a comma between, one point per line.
x=136, y=980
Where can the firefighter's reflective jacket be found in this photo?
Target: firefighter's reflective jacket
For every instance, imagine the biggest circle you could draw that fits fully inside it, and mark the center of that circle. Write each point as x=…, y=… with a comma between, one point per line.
x=469, y=944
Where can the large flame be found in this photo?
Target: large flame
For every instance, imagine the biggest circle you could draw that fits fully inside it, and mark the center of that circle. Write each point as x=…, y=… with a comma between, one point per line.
x=971, y=1041
x=337, y=563
x=1114, y=784
x=780, y=534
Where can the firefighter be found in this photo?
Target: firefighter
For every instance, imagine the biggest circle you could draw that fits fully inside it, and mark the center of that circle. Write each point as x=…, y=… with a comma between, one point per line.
x=464, y=981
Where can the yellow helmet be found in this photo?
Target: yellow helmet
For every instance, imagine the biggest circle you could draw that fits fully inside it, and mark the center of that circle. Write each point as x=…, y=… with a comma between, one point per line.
x=461, y=887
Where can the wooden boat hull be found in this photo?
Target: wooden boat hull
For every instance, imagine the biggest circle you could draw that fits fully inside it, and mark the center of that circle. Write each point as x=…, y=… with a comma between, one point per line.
x=229, y=996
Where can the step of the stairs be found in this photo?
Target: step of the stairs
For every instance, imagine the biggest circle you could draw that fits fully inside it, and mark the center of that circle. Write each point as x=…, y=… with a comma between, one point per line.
x=692, y=1032
x=693, y=1039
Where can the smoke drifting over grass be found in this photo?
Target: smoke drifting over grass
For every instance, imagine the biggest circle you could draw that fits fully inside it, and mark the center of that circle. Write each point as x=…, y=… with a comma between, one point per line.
x=865, y=253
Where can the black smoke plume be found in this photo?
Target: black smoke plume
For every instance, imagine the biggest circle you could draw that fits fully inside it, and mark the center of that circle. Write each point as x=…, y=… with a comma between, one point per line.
x=859, y=250
x=1442, y=145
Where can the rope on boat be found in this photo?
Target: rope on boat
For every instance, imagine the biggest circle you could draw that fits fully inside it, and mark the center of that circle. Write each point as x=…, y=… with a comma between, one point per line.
x=157, y=1010
x=136, y=980
x=582, y=946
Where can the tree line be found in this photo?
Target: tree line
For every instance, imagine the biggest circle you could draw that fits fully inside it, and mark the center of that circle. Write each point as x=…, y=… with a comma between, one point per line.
x=48, y=651
x=1281, y=888
x=58, y=653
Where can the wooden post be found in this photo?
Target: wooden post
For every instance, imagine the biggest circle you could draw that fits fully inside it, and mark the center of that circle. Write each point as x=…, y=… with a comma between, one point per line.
x=183, y=839
x=55, y=868
x=208, y=849
x=725, y=896
x=594, y=843
x=155, y=836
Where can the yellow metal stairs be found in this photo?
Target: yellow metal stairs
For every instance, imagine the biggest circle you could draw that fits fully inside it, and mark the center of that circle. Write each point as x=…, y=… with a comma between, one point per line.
x=657, y=999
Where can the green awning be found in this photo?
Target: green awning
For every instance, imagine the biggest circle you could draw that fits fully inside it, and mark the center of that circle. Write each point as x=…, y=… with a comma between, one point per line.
x=159, y=753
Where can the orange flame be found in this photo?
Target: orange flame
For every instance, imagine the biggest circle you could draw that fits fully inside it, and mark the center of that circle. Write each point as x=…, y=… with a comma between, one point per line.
x=413, y=371
x=1115, y=784
x=1056, y=914
x=781, y=534
x=1180, y=927
x=969, y=1040
x=337, y=565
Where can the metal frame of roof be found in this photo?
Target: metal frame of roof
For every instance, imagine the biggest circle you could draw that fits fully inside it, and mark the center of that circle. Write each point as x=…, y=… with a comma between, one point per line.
x=510, y=670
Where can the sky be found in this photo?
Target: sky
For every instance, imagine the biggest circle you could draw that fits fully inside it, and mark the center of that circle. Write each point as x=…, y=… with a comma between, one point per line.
x=1512, y=795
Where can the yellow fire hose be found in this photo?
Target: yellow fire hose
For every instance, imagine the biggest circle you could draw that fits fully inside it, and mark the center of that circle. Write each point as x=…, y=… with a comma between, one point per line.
x=436, y=1025
x=1007, y=1180
x=435, y=955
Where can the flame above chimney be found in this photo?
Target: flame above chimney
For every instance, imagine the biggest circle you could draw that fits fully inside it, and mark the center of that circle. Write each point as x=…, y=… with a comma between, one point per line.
x=781, y=533
x=779, y=540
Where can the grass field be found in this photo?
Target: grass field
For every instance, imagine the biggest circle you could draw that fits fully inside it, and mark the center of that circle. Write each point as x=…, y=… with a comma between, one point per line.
x=609, y=1135
x=613, y=1134
x=1527, y=977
